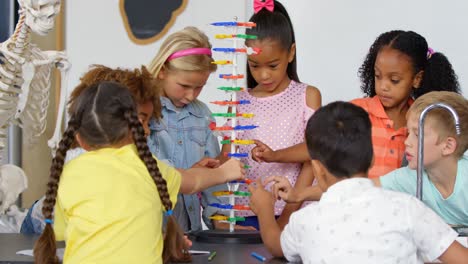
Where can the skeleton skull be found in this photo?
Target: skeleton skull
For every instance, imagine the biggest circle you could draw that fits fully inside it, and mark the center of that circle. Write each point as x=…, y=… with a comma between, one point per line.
x=40, y=14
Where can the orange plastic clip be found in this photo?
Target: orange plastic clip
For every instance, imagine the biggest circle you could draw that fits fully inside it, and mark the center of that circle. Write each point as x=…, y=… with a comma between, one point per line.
x=246, y=24
x=233, y=77
x=241, y=207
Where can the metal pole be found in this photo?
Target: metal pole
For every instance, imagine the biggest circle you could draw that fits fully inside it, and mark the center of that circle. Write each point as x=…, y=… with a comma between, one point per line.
x=422, y=118
x=14, y=134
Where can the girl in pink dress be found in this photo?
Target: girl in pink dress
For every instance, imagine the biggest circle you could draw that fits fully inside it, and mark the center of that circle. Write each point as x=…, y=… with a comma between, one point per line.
x=280, y=103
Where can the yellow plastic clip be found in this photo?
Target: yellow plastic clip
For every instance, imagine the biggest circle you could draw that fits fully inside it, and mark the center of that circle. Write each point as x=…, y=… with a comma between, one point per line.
x=243, y=141
x=222, y=62
x=218, y=217
x=247, y=115
x=223, y=36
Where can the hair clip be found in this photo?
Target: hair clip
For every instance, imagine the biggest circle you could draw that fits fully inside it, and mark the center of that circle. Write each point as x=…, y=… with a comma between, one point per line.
x=168, y=212
x=430, y=52
x=48, y=221
x=267, y=4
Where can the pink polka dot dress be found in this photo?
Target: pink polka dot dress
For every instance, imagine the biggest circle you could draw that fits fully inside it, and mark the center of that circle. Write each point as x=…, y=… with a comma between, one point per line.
x=281, y=121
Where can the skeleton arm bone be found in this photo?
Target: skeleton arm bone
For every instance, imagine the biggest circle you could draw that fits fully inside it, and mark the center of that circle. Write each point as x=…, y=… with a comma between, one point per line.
x=63, y=65
x=55, y=58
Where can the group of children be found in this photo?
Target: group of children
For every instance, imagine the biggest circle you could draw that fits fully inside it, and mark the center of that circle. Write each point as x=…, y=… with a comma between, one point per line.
x=145, y=149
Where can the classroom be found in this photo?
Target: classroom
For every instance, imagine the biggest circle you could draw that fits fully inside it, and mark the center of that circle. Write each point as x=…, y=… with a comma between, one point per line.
x=194, y=136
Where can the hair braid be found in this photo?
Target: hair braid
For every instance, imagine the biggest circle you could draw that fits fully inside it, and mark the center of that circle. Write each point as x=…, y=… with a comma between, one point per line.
x=147, y=158
x=175, y=249
x=45, y=247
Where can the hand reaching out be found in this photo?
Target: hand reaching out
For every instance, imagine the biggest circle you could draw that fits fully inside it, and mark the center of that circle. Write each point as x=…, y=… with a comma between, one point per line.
x=225, y=226
x=282, y=189
x=207, y=162
x=262, y=152
x=261, y=200
x=232, y=170
x=187, y=242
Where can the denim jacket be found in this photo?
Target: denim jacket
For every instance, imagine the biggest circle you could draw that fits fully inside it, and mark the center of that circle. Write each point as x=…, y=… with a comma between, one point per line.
x=183, y=137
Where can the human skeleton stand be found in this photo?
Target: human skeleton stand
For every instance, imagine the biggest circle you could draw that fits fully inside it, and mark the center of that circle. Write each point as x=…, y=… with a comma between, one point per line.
x=25, y=88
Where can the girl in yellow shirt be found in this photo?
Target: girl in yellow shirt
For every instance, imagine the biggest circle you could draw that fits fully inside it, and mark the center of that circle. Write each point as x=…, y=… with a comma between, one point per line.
x=106, y=207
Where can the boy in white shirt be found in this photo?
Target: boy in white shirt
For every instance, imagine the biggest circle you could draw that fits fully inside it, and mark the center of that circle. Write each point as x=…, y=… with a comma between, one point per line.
x=355, y=221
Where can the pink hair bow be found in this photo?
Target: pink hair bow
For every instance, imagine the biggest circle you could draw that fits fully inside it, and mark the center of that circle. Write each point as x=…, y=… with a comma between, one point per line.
x=259, y=5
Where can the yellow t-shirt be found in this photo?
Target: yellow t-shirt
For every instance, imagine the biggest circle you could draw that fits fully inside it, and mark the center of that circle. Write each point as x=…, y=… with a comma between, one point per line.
x=108, y=209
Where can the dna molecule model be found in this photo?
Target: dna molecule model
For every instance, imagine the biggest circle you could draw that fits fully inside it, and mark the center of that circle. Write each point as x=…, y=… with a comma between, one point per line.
x=233, y=79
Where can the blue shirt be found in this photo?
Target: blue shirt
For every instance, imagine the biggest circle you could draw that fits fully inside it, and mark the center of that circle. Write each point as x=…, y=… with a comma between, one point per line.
x=453, y=209
x=183, y=137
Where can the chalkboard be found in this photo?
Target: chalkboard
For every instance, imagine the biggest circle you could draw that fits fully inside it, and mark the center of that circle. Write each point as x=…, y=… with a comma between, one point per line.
x=148, y=20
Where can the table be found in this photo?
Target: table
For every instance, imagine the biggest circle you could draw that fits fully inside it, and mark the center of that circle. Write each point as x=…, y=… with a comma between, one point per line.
x=11, y=243
x=225, y=253
x=234, y=253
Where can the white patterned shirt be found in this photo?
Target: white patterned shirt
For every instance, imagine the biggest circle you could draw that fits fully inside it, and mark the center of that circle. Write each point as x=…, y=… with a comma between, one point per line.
x=356, y=222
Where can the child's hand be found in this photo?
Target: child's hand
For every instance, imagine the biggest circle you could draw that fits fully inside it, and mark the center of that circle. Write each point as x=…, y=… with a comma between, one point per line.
x=224, y=226
x=262, y=152
x=249, y=228
x=207, y=163
x=232, y=170
x=187, y=242
x=282, y=189
x=261, y=200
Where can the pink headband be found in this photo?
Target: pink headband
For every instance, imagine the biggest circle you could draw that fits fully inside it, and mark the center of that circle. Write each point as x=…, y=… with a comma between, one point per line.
x=191, y=51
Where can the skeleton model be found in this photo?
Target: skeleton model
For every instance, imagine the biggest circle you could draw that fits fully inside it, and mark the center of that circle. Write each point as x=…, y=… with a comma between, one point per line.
x=25, y=71
x=25, y=78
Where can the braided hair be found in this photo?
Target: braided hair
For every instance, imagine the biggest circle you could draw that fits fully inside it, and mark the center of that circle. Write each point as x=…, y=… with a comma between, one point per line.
x=174, y=245
x=103, y=115
x=45, y=247
x=438, y=72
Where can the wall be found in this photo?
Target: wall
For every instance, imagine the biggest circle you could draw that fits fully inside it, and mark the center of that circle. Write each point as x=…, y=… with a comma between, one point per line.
x=333, y=37
x=95, y=34
x=37, y=158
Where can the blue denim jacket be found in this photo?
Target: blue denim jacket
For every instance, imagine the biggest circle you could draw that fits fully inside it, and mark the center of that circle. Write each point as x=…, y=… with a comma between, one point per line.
x=183, y=137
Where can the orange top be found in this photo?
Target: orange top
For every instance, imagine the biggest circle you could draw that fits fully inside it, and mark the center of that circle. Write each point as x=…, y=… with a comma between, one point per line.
x=388, y=143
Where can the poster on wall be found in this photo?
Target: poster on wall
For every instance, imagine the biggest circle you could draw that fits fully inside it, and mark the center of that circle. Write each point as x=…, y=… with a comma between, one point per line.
x=148, y=20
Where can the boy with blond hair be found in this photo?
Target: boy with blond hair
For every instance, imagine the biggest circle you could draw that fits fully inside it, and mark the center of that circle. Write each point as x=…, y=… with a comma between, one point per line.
x=445, y=168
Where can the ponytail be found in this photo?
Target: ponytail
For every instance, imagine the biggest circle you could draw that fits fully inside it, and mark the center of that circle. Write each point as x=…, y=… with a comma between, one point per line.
x=438, y=76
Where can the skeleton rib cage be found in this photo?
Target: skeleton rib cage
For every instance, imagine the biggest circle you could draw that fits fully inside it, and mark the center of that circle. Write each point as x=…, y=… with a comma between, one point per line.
x=25, y=74
x=24, y=85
